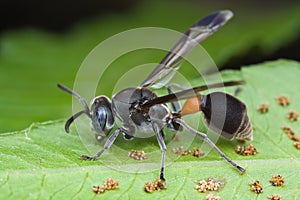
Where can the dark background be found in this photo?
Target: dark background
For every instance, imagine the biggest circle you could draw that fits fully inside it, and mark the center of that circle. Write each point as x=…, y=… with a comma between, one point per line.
x=59, y=15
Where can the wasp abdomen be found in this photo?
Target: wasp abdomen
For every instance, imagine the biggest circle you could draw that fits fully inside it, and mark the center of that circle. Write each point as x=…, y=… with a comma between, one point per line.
x=226, y=115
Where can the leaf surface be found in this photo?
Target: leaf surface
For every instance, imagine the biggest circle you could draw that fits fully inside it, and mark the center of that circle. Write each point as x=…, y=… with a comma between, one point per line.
x=42, y=162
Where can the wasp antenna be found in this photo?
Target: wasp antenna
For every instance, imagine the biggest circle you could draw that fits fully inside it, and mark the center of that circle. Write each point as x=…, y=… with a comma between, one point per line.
x=82, y=101
x=70, y=121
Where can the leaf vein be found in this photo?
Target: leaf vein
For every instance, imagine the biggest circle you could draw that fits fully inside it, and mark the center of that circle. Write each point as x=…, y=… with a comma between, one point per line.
x=180, y=189
x=42, y=186
x=53, y=194
x=236, y=189
x=82, y=185
x=276, y=145
x=130, y=186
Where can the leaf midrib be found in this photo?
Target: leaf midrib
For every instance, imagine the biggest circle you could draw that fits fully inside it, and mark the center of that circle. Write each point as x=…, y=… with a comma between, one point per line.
x=186, y=164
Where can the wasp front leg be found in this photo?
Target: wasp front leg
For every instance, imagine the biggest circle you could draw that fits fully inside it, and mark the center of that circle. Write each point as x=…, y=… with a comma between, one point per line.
x=107, y=145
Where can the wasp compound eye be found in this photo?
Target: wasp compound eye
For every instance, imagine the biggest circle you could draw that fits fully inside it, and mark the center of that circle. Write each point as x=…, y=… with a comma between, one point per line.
x=226, y=115
x=102, y=116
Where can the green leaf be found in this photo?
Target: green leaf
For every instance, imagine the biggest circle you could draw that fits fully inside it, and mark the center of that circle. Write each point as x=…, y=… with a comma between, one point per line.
x=42, y=162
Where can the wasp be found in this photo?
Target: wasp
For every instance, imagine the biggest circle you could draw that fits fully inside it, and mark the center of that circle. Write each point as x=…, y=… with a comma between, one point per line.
x=139, y=108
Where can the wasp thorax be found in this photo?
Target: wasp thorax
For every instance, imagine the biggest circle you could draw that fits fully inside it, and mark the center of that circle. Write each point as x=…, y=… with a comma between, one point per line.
x=227, y=116
x=102, y=116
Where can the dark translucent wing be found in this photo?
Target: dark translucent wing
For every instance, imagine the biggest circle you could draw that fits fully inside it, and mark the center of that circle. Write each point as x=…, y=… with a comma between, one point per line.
x=193, y=36
x=188, y=93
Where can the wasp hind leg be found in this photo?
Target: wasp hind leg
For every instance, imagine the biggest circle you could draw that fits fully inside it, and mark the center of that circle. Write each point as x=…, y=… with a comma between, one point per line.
x=237, y=91
x=206, y=139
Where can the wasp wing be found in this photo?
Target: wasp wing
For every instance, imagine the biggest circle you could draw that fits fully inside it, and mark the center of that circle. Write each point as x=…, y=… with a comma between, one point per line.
x=167, y=68
x=188, y=93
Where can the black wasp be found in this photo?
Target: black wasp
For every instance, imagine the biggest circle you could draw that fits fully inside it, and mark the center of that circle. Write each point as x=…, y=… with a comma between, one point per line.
x=140, y=107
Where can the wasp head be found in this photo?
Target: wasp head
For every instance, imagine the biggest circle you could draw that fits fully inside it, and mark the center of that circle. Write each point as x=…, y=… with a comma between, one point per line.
x=102, y=115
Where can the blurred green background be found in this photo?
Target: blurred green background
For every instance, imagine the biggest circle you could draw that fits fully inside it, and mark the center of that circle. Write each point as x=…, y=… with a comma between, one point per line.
x=44, y=42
